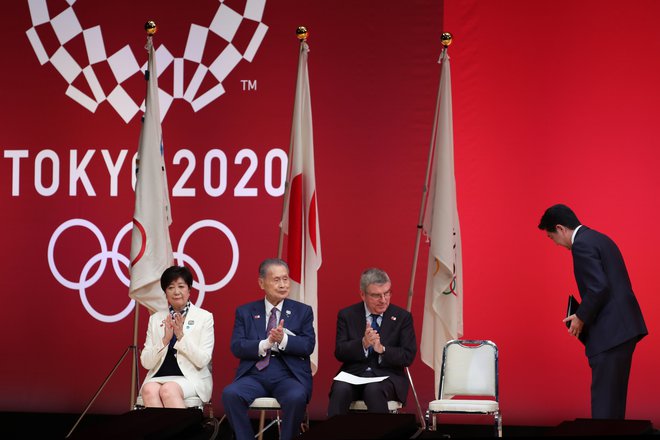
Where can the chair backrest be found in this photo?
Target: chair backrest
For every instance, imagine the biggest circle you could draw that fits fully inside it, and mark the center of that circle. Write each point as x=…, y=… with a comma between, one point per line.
x=469, y=368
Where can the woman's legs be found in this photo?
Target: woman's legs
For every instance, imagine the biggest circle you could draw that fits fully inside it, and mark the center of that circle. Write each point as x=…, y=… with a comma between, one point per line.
x=157, y=395
x=151, y=395
x=171, y=395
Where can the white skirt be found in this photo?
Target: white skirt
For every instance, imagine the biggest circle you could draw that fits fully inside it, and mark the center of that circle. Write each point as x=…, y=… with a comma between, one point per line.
x=186, y=386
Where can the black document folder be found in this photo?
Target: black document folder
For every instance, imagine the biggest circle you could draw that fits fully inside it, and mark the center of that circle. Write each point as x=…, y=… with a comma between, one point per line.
x=573, y=305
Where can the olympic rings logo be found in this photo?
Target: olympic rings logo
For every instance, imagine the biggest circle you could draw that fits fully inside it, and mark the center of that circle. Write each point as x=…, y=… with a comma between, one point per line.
x=113, y=255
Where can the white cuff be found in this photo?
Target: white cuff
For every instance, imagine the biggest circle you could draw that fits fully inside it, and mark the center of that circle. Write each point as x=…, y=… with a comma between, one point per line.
x=264, y=345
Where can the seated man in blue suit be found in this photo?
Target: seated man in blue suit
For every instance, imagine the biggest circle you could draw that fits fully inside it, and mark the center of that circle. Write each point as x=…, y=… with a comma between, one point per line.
x=273, y=338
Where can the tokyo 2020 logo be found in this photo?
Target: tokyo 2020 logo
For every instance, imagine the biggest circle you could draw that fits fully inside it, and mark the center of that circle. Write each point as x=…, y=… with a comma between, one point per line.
x=123, y=64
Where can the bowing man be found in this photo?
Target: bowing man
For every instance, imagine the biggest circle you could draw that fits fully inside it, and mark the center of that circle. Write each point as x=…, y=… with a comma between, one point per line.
x=609, y=320
x=374, y=338
x=273, y=338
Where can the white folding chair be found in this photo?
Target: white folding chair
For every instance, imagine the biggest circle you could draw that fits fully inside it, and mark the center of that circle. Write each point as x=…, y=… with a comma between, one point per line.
x=469, y=369
x=263, y=404
x=191, y=402
x=393, y=406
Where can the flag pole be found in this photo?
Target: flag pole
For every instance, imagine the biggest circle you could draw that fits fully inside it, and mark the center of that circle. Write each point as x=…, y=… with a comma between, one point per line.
x=425, y=190
x=134, y=365
x=416, y=251
x=417, y=243
x=151, y=28
x=445, y=39
x=301, y=34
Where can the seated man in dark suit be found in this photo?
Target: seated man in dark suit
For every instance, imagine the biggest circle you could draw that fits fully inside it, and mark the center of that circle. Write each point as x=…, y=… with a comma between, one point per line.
x=374, y=338
x=273, y=338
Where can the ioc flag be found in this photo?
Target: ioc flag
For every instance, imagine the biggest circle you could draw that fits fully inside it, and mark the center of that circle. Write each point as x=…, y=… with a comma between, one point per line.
x=443, y=303
x=151, y=249
x=300, y=214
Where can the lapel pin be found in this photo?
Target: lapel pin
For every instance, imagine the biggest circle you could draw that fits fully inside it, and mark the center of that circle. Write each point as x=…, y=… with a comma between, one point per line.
x=257, y=316
x=288, y=312
x=393, y=318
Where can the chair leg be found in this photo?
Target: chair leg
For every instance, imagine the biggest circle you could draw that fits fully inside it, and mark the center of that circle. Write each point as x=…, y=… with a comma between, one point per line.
x=498, y=424
x=304, y=426
x=262, y=420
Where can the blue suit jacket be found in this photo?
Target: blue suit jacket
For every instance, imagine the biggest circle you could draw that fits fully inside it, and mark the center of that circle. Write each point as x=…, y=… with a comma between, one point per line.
x=609, y=309
x=250, y=328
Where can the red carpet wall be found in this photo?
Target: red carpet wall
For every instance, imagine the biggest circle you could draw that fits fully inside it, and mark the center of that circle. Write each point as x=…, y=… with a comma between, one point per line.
x=553, y=102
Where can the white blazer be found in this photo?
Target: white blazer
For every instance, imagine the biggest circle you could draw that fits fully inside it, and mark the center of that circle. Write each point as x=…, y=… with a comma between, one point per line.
x=194, y=350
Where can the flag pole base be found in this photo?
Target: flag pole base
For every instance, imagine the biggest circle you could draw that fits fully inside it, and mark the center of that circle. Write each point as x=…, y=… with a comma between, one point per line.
x=422, y=422
x=132, y=348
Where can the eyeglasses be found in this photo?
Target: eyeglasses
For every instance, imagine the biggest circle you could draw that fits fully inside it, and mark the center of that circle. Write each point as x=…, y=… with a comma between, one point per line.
x=379, y=295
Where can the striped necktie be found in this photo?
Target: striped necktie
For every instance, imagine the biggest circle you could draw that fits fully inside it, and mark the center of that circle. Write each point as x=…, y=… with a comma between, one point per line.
x=272, y=323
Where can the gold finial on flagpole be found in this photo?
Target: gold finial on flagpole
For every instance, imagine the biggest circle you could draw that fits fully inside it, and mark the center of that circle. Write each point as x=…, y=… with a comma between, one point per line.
x=445, y=39
x=150, y=27
x=302, y=33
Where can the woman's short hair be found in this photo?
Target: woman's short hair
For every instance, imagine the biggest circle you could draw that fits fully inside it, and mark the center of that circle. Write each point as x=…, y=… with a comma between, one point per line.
x=173, y=273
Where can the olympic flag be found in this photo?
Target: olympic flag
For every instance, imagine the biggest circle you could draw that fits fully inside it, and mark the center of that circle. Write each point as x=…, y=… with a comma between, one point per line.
x=300, y=213
x=151, y=249
x=443, y=303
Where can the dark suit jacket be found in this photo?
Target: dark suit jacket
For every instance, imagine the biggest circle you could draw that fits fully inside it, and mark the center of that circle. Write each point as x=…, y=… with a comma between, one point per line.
x=250, y=328
x=609, y=309
x=397, y=334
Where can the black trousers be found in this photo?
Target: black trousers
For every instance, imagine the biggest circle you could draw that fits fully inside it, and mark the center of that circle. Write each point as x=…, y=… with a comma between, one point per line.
x=375, y=396
x=610, y=371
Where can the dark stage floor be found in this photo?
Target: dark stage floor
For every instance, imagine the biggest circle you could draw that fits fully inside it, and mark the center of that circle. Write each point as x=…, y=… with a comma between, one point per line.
x=191, y=426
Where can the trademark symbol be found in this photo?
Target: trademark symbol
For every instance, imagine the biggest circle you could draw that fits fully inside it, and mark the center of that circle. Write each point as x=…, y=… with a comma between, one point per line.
x=249, y=84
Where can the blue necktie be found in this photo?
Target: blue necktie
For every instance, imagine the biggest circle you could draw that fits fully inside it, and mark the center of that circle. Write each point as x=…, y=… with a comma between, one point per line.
x=374, y=322
x=375, y=326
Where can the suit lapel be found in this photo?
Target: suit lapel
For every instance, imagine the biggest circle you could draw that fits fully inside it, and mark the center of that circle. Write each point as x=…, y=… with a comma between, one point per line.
x=258, y=318
x=389, y=319
x=190, y=320
x=385, y=324
x=359, y=318
x=286, y=312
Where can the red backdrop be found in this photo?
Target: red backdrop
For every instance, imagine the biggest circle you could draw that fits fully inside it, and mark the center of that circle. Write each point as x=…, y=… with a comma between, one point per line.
x=553, y=102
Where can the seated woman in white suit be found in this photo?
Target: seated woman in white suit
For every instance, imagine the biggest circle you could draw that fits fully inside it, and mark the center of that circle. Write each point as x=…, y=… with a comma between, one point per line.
x=178, y=348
